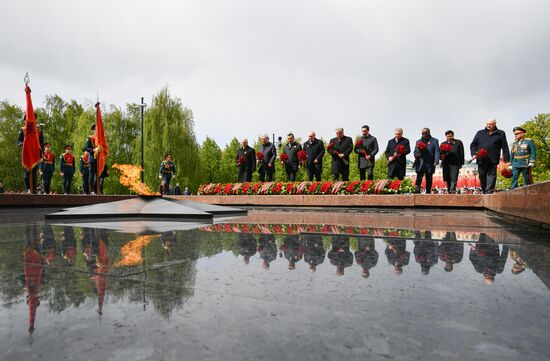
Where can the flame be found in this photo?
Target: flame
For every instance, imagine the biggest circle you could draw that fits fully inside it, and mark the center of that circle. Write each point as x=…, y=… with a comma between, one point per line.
x=131, y=251
x=130, y=178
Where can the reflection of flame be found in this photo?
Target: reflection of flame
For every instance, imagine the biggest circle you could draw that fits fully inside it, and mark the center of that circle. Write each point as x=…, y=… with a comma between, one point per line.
x=131, y=251
x=130, y=178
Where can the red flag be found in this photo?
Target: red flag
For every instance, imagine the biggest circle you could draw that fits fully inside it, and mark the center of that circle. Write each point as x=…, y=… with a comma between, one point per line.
x=103, y=147
x=31, y=144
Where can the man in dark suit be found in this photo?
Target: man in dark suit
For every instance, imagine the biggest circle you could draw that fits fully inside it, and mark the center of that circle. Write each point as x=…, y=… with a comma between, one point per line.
x=245, y=160
x=315, y=251
x=367, y=255
x=340, y=255
x=487, y=258
x=426, y=154
x=494, y=141
x=292, y=164
x=266, y=166
x=340, y=148
x=397, y=161
x=366, y=148
x=452, y=161
x=315, y=151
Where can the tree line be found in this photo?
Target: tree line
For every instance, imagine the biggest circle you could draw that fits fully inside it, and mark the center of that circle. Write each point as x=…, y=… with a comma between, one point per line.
x=169, y=127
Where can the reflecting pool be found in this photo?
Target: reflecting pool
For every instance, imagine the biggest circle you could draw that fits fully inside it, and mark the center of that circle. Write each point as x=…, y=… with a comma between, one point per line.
x=276, y=284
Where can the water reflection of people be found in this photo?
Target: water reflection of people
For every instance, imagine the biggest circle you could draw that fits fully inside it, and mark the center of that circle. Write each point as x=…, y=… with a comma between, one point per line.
x=487, y=258
x=425, y=252
x=47, y=238
x=398, y=256
x=68, y=245
x=450, y=252
x=340, y=255
x=366, y=256
x=267, y=248
x=32, y=264
x=246, y=246
x=293, y=250
x=100, y=243
x=314, y=252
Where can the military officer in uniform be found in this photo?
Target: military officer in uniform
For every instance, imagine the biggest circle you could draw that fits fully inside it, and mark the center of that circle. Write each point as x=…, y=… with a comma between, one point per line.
x=84, y=169
x=340, y=148
x=47, y=167
x=523, y=157
x=266, y=166
x=91, y=145
x=21, y=139
x=67, y=169
x=397, y=161
x=245, y=160
x=366, y=148
x=292, y=164
x=167, y=171
x=315, y=151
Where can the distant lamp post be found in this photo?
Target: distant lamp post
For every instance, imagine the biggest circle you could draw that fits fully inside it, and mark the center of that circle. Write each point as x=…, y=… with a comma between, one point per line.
x=142, y=106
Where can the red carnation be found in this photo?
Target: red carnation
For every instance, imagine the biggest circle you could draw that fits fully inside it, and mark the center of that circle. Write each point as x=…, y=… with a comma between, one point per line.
x=421, y=146
x=506, y=173
x=284, y=157
x=242, y=160
x=400, y=149
x=330, y=146
x=260, y=156
x=395, y=185
x=445, y=148
x=481, y=153
x=302, y=155
x=359, y=143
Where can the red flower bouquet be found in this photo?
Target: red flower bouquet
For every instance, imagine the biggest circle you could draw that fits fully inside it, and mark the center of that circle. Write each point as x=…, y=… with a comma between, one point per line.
x=506, y=173
x=284, y=157
x=445, y=148
x=302, y=155
x=242, y=160
x=480, y=154
x=359, y=143
x=399, y=150
x=330, y=146
x=260, y=156
x=421, y=146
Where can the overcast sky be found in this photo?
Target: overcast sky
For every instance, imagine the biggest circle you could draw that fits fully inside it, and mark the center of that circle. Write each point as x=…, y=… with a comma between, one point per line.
x=246, y=67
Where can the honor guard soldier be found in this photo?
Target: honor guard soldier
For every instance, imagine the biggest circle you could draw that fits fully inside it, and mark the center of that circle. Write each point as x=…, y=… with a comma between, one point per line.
x=47, y=167
x=67, y=169
x=21, y=139
x=523, y=157
x=91, y=145
x=167, y=172
x=84, y=169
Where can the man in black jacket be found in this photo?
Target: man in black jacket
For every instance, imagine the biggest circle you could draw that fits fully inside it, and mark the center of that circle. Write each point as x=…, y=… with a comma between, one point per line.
x=452, y=160
x=245, y=160
x=266, y=165
x=292, y=164
x=493, y=140
x=340, y=148
x=397, y=161
x=366, y=148
x=315, y=151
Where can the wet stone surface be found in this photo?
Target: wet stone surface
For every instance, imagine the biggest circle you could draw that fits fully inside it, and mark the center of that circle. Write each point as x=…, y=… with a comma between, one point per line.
x=242, y=289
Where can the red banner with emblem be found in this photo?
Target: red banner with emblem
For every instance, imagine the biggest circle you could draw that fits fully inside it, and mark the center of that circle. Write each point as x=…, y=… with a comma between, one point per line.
x=31, y=144
x=101, y=139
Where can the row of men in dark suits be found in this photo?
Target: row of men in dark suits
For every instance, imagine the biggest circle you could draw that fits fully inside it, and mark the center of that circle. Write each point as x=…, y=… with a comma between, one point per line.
x=486, y=256
x=427, y=153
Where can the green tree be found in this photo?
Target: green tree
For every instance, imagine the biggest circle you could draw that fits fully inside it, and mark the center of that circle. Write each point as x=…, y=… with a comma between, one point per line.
x=538, y=129
x=211, y=157
x=228, y=170
x=11, y=170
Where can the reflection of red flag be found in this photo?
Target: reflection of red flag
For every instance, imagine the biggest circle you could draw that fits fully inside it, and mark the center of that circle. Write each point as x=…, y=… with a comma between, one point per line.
x=101, y=140
x=33, y=279
x=100, y=277
x=31, y=144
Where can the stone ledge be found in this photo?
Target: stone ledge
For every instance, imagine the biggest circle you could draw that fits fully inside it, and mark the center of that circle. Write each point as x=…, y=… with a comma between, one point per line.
x=56, y=200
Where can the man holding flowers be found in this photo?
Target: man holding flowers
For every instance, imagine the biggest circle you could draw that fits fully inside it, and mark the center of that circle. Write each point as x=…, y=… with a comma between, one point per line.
x=426, y=154
x=340, y=148
x=396, y=151
x=366, y=148
x=245, y=160
x=291, y=161
x=452, y=159
x=267, y=154
x=315, y=150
